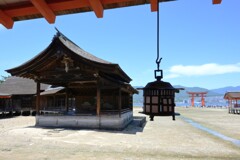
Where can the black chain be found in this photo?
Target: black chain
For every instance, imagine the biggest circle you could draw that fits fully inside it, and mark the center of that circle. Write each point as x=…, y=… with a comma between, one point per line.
x=158, y=61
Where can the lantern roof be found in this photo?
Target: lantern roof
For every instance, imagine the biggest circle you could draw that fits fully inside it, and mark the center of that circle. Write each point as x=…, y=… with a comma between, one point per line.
x=159, y=85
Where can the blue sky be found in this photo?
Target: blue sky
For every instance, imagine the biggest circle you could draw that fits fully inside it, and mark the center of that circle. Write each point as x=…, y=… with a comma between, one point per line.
x=199, y=42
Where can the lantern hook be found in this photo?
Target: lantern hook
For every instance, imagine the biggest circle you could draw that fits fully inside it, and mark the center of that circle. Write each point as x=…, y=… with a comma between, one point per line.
x=158, y=61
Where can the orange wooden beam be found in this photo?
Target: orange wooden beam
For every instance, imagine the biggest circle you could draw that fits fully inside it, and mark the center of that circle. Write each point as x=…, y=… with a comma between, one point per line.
x=216, y=1
x=6, y=20
x=154, y=5
x=45, y=10
x=30, y=10
x=97, y=7
x=56, y=6
x=5, y=96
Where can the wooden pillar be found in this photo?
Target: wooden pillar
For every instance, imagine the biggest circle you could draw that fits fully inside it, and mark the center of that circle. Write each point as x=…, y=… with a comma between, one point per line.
x=98, y=99
x=119, y=102
x=229, y=105
x=202, y=99
x=38, y=98
x=54, y=101
x=66, y=100
x=130, y=101
x=173, y=115
x=192, y=100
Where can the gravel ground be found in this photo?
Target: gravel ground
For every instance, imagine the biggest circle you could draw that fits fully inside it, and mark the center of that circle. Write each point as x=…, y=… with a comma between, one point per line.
x=160, y=139
x=215, y=118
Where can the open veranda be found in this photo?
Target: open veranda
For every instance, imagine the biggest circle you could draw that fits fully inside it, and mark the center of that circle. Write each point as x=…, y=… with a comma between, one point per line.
x=158, y=139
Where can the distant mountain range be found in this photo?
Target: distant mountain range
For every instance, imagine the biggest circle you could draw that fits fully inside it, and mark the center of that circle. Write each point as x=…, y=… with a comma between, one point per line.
x=212, y=95
x=226, y=89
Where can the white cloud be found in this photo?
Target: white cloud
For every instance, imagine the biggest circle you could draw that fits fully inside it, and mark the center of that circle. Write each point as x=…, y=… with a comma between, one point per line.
x=202, y=70
x=172, y=75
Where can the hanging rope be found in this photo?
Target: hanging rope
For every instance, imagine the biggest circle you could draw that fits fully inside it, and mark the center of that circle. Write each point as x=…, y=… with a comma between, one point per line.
x=158, y=61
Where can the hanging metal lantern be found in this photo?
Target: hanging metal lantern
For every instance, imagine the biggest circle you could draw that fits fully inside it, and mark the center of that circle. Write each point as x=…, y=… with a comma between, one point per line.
x=159, y=96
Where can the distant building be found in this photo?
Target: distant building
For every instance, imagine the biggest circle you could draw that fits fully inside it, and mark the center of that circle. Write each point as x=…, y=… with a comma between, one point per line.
x=233, y=101
x=17, y=95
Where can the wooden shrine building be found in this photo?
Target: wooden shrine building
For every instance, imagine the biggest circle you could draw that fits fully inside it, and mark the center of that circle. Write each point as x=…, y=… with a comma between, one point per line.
x=86, y=92
x=233, y=102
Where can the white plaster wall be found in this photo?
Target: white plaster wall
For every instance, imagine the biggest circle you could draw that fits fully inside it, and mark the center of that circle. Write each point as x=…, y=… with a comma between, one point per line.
x=89, y=122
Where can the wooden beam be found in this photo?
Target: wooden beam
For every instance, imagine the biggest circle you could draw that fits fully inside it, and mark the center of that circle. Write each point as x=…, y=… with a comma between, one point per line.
x=45, y=10
x=216, y=1
x=7, y=97
x=6, y=20
x=154, y=5
x=97, y=7
x=56, y=6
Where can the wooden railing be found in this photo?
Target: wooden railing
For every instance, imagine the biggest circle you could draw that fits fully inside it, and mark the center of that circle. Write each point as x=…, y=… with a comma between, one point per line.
x=58, y=111
x=115, y=111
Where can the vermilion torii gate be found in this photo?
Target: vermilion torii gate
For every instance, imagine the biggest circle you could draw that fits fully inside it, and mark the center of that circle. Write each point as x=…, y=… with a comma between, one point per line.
x=197, y=94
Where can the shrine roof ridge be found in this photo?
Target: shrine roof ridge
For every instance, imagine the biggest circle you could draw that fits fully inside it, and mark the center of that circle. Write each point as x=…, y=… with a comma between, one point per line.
x=76, y=49
x=63, y=48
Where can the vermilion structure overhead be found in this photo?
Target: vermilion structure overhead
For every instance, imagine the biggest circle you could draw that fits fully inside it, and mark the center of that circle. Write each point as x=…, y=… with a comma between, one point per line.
x=19, y=10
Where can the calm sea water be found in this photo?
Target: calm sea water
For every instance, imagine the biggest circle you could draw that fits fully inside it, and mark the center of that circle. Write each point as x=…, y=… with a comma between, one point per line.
x=181, y=104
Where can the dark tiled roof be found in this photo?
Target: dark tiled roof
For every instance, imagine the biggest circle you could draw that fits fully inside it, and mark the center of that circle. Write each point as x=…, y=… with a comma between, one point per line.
x=19, y=86
x=61, y=42
x=4, y=94
x=71, y=46
x=78, y=50
x=232, y=95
